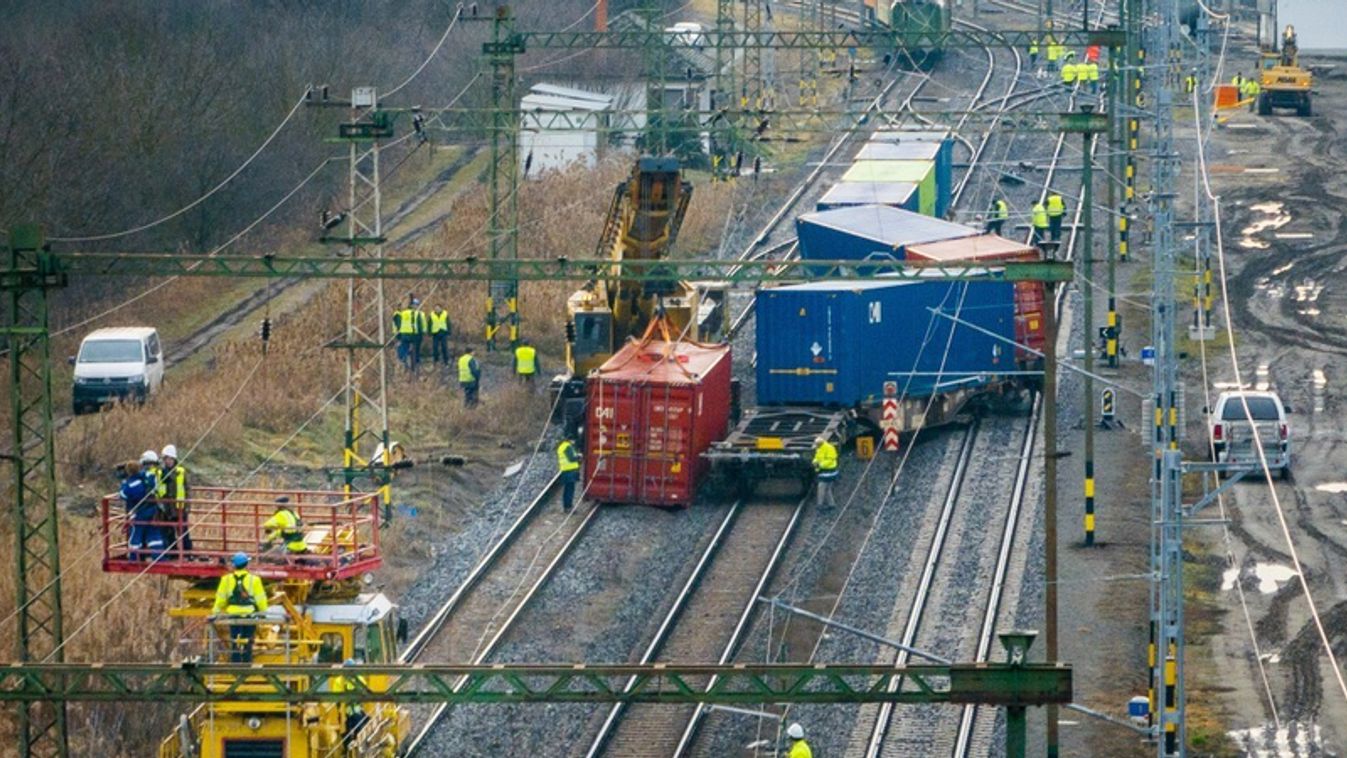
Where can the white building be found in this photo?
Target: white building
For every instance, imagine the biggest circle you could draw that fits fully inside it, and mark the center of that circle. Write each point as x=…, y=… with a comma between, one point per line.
x=561, y=126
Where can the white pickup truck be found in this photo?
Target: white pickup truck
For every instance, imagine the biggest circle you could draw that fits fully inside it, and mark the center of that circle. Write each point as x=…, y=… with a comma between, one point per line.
x=1232, y=434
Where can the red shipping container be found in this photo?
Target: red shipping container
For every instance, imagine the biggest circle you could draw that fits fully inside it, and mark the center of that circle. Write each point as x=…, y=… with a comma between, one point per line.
x=989, y=248
x=653, y=409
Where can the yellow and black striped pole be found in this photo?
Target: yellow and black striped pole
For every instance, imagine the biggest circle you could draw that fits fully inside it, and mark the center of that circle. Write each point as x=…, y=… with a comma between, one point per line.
x=1150, y=676
x=1173, y=421
x=490, y=323
x=1171, y=703
x=512, y=304
x=1122, y=224
x=1089, y=502
x=1111, y=336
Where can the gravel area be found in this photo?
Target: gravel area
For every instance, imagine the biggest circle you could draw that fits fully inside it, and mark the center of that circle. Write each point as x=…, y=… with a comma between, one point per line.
x=811, y=576
x=457, y=553
x=627, y=586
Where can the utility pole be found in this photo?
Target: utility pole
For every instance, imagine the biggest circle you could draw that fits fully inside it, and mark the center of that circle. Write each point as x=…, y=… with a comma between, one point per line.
x=503, y=194
x=1049, y=401
x=367, y=312
x=1167, y=650
x=1116, y=169
x=29, y=276
x=1203, y=220
x=1087, y=292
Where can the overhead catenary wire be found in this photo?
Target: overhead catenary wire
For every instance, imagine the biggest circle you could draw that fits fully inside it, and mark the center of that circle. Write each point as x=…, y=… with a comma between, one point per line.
x=458, y=13
x=209, y=193
x=192, y=267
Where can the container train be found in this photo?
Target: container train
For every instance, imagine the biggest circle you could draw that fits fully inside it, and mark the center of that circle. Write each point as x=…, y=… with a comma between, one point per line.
x=829, y=354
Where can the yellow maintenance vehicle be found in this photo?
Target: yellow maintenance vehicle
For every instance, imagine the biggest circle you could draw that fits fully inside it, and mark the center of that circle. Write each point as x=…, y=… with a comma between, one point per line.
x=321, y=610
x=1284, y=84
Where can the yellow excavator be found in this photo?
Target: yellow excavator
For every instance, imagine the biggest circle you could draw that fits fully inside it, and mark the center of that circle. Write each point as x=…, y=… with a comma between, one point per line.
x=1284, y=83
x=642, y=224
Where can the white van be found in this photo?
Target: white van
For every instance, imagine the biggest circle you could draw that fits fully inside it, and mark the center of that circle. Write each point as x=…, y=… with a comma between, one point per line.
x=125, y=363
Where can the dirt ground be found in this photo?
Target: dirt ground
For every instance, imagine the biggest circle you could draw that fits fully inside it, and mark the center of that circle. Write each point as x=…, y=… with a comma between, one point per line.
x=1284, y=239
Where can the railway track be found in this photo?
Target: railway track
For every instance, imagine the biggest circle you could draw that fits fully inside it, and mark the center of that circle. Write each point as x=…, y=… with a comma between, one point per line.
x=969, y=552
x=706, y=622
x=475, y=618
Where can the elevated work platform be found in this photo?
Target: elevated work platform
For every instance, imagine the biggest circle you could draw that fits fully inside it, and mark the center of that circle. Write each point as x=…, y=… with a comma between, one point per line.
x=341, y=533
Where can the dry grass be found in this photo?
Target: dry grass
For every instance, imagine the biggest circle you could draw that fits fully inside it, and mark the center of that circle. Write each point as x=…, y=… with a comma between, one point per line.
x=561, y=215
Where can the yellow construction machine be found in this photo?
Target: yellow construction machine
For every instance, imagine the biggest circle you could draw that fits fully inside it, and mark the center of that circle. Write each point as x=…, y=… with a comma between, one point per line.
x=321, y=610
x=642, y=224
x=1284, y=84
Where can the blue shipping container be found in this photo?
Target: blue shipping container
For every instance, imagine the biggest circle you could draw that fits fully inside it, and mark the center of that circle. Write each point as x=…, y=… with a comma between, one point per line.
x=836, y=343
x=846, y=194
x=869, y=231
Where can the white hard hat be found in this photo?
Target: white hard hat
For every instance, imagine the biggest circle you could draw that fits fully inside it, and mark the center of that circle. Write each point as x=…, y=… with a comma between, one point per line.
x=795, y=731
x=149, y=456
x=170, y=451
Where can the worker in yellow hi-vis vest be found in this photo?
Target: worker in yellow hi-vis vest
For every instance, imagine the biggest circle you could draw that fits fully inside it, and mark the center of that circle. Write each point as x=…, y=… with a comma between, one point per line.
x=526, y=364
x=469, y=376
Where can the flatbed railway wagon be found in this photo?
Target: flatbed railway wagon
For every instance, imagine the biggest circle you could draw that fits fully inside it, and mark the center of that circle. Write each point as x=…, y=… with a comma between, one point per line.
x=829, y=354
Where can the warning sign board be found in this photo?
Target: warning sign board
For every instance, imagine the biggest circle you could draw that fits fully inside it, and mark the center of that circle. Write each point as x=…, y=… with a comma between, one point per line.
x=1108, y=409
x=888, y=421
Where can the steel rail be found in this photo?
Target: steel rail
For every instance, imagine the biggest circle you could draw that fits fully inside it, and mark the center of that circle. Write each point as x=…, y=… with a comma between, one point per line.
x=433, y=626
x=741, y=628
x=507, y=626
x=918, y=607
x=666, y=627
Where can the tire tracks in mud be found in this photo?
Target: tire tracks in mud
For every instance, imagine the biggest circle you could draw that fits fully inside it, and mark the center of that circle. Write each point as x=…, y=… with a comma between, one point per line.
x=1315, y=201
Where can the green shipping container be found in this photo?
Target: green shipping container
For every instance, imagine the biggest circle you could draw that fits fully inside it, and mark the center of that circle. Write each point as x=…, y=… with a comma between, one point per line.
x=920, y=173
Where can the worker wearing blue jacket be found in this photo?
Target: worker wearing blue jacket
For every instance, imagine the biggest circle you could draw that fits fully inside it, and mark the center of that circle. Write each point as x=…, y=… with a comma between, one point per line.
x=145, y=538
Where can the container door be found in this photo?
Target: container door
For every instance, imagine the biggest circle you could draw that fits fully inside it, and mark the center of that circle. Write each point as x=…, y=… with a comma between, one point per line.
x=665, y=446
x=1028, y=319
x=799, y=357
x=615, y=417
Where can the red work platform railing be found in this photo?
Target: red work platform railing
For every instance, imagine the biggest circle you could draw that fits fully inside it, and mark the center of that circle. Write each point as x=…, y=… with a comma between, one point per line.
x=341, y=533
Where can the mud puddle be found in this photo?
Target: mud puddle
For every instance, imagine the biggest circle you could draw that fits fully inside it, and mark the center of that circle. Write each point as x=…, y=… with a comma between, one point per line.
x=1269, y=575
x=1275, y=217
x=1267, y=741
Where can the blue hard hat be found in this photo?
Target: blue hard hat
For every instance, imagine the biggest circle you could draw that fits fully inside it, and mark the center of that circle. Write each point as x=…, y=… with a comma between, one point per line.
x=350, y=662
x=240, y=560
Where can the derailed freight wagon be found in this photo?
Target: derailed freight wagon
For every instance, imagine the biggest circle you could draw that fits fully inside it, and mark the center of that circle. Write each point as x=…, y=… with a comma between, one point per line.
x=653, y=409
x=828, y=354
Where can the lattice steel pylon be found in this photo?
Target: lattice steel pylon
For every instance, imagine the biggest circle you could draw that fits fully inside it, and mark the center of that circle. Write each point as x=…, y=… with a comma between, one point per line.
x=503, y=211
x=756, y=87
x=1168, y=706
x=31, y=274
x=367, y=315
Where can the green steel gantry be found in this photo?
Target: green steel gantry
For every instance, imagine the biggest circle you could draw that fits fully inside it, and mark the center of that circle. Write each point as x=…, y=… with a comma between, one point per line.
x=655, y=45
x=1013, y=683
x=32, y=271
